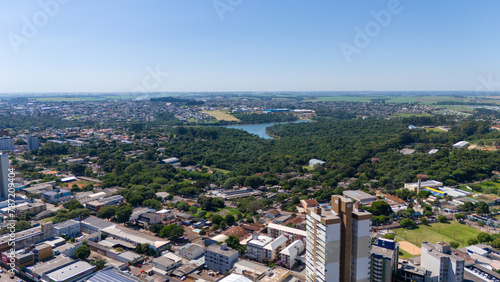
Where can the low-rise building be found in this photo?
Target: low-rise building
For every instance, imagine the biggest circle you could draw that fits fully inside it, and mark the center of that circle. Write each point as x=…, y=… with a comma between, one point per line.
x=150, y=218
x=31, y=208
x=289, y=254
x=42, y=251
x=415, y=186
x=309, y=203
x=98, y=204
x=314, y=162
x=70, y=272
x=191, y=251
x=28, y=237
x=274, y=248
x=255, y=247
x=220, y=258
x=272, y=213
x=164, y=264
x=58, y=195
x=39, y=270
x=68, y=228
x=360, y=196
x=276, y=230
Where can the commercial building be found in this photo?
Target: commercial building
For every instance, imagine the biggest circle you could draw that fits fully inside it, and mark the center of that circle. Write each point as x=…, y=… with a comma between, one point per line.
x=68, y=228
x=58, y=195
x=42, y=251
x=85, y=197
x=31, y=208
x=289, y=254
x=460, y=144
x=383, y=260
x=360, y=196
x=417, y=186
x=94, y=224
x=171, y=161
x=338, y=242
x=71, y=272
x=39, y=270
x=239, y=193
x=28, y=237
x=4, y=176
x=220, y=258
x=441, y=263
x=32, y=141
x=111, y=275
x=98, y=204
x=136, y=237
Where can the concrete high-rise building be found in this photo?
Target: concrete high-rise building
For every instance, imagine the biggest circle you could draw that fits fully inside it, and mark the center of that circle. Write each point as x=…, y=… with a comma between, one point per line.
x=384, y=260
x=443, y=265
x=4, y=176
x=338, y=242
x=6, y=143
x=32, y=141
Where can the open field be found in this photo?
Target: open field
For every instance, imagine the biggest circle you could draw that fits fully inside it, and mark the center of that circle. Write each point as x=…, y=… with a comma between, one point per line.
x=69, y=99
x=438, y=232
x=404, y=254
x=435, y=129
x=221, y=115
x=409, y=248
x=412, y=115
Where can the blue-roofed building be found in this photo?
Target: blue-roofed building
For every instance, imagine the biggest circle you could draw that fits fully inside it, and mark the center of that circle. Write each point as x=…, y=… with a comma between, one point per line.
x=412, y=127
x=383, y=260
x=111, y=275
x=58, y=195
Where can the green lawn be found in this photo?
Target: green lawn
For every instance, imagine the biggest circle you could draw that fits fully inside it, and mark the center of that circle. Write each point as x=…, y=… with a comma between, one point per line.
x=405, y=255
x=434, y=129
x=438, y=232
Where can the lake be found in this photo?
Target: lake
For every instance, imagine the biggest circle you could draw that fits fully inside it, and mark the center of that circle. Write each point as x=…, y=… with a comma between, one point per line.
x=260, y=129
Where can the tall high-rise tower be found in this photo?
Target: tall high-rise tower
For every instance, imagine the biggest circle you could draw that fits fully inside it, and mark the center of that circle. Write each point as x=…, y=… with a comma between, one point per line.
x=4, y=176
x=338, y=242
x=32, y=141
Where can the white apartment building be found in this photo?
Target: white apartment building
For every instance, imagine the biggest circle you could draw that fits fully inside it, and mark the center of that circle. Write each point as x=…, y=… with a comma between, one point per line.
x=338, y=242
x=439, y=260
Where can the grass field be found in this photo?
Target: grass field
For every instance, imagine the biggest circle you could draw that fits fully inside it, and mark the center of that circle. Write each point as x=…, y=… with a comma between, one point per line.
x=437, y=232
x=404, y=254
x=221, y=115
x=434, y=129
x=69, y=99
x=412, y=115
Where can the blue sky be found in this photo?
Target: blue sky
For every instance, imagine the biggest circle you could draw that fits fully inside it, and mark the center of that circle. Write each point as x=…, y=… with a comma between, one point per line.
x=254, y=45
